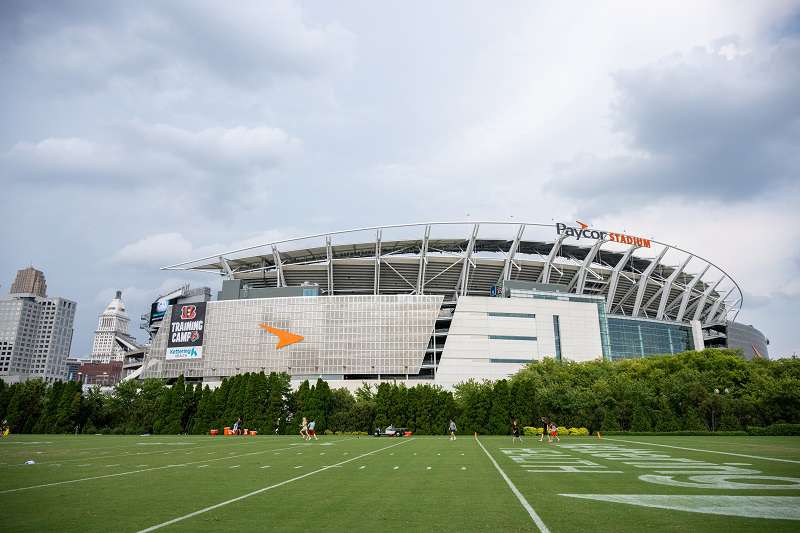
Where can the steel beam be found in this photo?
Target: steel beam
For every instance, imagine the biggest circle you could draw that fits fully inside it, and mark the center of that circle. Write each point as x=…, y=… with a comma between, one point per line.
x=511, y=253
x=701, y=302
x=665, y=290
x=280, y=281
x=329, y=251
x=643, y=279
x=612, y=287
x=463, y=281
x=376, y=289
x=226, y=267
x=688, y=292
x=423, y=260
x=544, y=277
x=715, y=307
x=579, y=279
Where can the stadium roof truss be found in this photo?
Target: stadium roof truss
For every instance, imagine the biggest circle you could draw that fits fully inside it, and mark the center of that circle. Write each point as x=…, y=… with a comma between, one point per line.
x=365, y=261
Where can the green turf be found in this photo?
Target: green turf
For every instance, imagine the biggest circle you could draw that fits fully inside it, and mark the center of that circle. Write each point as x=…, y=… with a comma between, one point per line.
x=422, y=483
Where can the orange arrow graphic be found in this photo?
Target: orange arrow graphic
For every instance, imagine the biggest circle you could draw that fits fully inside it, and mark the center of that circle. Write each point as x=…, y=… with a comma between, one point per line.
x=583, y=226
x=285, y=338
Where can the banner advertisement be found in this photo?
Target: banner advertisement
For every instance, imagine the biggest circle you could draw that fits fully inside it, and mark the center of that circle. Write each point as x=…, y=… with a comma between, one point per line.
x=186, y=331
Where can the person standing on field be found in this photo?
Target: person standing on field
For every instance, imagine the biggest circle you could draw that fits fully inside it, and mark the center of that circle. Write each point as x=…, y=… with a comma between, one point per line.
x=545, y=430
x=452, y=430
x=304, y=429
x=515, y=432
x=553, y=432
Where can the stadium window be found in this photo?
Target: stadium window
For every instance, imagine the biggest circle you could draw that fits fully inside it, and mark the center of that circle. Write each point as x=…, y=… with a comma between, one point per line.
x=557, y=336
x=511, y=338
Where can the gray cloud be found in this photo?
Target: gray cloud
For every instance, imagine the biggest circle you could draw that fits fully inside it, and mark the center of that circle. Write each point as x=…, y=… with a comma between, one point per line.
x=165, y=43
x=721, y=122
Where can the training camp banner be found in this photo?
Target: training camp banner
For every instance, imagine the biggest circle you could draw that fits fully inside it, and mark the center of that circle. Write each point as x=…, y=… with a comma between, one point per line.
x=186, y=331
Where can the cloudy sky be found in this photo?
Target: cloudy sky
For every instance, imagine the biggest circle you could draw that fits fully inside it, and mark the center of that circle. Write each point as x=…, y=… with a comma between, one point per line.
x=138, y=134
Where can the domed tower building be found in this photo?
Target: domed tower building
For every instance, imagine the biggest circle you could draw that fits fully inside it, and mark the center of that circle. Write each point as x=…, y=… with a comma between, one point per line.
x=111, y=339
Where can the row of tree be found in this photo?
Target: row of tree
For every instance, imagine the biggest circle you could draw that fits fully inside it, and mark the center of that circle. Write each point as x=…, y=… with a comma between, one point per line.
x=710, y=390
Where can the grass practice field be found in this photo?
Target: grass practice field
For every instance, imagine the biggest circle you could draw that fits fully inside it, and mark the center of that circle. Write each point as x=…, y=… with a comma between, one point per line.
x=129, y=483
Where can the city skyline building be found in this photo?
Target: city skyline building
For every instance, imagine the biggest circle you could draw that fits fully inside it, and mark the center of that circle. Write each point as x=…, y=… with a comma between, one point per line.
x=35, y=331
x=29, y=281
x=111, y=338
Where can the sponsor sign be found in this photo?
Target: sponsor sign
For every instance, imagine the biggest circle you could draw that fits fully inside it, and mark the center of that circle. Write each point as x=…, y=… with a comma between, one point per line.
x=158, y=309
x=582, y=231
x=186, y=331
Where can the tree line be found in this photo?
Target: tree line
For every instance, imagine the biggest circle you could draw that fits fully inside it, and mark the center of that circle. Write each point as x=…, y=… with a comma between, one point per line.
x=712, y=390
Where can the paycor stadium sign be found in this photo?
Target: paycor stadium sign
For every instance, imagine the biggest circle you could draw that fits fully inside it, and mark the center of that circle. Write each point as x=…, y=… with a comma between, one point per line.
x=582, y=231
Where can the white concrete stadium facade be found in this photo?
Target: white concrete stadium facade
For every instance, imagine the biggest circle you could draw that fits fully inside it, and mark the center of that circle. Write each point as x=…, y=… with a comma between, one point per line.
x=495, y=296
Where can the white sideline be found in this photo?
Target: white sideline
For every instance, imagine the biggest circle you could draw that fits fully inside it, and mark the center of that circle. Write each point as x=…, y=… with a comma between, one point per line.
x=263, y=489
x=43, y=485
x=706, y=451
x=535, y=517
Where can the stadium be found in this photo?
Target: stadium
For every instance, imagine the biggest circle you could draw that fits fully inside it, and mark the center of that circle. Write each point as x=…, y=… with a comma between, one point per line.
x=447, y=302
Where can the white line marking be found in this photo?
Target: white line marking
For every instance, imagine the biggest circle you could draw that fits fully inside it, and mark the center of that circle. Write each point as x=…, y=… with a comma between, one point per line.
x=109, y=466
x=265, y=466
x=235, y=466
x=396, y=467
x=463, y=468
x=264, y=489
x=738, y=464
x=535, y=517
x=429, y=468
x=768, y=507
x=89, y=464
x=43, y=485
x=362, y=467
x=322, y=453
x=140, y=466
x=203, y=466
x=707, y=451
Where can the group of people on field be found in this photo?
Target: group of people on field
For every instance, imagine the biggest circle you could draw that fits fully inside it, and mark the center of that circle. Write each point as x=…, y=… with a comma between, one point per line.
x=549, y=428
x=307, y=429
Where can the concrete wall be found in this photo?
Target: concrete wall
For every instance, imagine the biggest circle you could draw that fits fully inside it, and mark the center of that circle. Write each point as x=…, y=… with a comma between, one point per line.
x=473, y=351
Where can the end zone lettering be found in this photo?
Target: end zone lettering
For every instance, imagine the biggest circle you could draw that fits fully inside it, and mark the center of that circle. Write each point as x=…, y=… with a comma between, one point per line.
x=586, y=233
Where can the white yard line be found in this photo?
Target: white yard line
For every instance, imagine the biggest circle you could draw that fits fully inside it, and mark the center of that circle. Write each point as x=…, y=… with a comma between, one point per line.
x=706, y=451
x=535, y=517
x=264, y=489
x=43, y=485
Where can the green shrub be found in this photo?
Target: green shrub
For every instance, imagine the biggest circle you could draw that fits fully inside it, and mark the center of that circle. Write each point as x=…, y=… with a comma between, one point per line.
x=791, y=430
x=529, y=431
x=686, y=433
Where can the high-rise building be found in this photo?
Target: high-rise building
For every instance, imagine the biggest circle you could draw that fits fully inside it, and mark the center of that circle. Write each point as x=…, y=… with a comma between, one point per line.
x=35, y=331
x=29, y=281
x=111, y=339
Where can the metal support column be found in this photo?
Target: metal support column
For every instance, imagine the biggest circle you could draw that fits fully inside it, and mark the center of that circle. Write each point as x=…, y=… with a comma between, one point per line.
x=643, y=281
x=423, y=261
